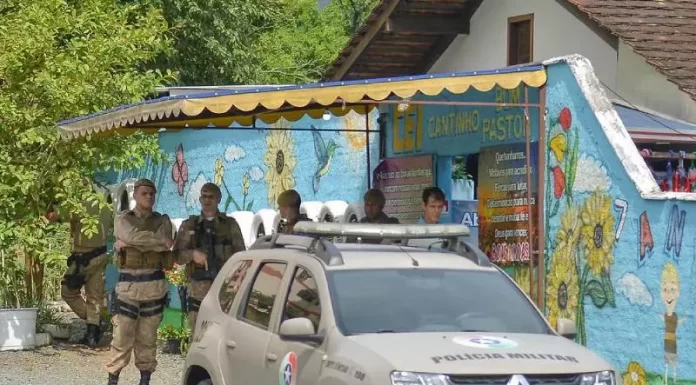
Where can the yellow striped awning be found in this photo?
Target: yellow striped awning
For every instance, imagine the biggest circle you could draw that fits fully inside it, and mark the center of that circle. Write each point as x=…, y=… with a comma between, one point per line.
x=225, y=108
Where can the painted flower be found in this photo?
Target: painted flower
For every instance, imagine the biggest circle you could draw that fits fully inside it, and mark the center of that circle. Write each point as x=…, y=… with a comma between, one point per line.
x=566, y=118
x=559, y=146
x=352, y=122
x=569, y=232
x=522, y=278
x=598, y=231
x=635, y=374
x=562, y=287
x=245, y=184
x=280, y=162
x=559, y=182
x=219, y=172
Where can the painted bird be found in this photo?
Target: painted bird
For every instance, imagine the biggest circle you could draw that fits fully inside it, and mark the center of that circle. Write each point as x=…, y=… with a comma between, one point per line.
x=325, y=153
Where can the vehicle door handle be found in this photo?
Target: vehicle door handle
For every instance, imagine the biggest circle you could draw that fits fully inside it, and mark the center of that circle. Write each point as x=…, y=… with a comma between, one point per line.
x=271, y=357
x=231, y=344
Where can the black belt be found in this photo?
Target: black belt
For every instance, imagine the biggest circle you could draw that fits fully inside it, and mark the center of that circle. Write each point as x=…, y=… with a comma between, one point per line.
x=144, y=309
x=127, y=277
x=84, y=258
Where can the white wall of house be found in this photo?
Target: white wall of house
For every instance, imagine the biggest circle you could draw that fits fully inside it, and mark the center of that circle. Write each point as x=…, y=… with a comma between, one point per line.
x=558, y=32
x=641, y=85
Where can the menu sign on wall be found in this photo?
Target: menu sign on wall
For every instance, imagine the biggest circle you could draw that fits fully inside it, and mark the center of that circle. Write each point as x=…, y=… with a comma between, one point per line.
x=503, y=203
x=402, y=181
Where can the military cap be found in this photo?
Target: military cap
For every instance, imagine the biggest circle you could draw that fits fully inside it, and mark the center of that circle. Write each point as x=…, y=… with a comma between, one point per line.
x=375, y=196
x=211, y=187
x=144, y=183
x=289, y=198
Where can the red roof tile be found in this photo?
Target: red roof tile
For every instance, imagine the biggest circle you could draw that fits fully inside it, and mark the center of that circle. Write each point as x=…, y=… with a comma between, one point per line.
x=661, y=31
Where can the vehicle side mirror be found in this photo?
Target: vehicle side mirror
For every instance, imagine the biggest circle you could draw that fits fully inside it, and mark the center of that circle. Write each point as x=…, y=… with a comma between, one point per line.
x=299, y=330
x=566, y=328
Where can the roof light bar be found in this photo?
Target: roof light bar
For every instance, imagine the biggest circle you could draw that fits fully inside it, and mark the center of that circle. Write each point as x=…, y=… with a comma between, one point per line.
x=384, y=231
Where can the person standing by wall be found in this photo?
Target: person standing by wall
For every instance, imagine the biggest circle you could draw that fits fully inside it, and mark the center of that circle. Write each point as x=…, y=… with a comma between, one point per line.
x=143, y=243
x=204, y=243
x=86, y=265
x=374, y=201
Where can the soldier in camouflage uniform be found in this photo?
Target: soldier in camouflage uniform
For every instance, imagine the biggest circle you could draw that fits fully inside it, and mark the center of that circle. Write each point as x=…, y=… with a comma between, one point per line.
x=374, y=202
x=86, y=265
x=205, y=242
x=289, y=202
x=143, y=243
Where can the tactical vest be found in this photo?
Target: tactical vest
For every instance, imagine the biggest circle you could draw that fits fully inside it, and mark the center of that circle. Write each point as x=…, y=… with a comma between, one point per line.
x=215, y=239
x=133, y=258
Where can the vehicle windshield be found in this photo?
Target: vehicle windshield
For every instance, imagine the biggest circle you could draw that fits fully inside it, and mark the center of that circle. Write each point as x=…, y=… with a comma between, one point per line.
x=430, y=300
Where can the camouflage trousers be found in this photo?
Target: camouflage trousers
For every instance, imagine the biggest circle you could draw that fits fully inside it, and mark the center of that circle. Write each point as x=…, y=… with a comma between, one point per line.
x=91, y=307
x=139, y=311
x=197, y=290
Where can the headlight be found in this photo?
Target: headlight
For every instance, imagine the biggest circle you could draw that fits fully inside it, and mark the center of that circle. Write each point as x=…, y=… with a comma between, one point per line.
x=599, y=378
x=409, y=378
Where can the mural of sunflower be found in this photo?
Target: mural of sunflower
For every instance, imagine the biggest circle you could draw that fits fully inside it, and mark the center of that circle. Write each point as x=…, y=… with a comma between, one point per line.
x=522, y=278
x=598, y=232
x=354, y=121
x=569, y=232
x=562, y=288
x=280, y=162
x=635, y=374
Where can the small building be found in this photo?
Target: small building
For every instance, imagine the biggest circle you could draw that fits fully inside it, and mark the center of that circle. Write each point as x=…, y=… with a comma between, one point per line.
x=643, y=60
x=534, y=156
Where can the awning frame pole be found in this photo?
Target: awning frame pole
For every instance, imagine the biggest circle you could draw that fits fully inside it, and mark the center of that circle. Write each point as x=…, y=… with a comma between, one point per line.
x=541, y=194
x=530, y=221
x=367, y=145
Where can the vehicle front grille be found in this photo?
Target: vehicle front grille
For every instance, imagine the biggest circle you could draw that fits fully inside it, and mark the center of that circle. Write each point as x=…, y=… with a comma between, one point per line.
x=533, y=379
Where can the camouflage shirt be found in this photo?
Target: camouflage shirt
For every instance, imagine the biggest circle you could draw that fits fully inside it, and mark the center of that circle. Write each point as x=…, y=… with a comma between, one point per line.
x=220, y=237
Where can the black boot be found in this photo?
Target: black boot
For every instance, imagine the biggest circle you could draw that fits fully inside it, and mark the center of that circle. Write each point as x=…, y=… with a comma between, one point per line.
x=93, y=335
x=113, y=379
x=145, y=377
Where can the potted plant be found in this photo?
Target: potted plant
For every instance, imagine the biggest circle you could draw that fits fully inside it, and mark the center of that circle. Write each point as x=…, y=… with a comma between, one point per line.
x=174, y=339
x=462, y=181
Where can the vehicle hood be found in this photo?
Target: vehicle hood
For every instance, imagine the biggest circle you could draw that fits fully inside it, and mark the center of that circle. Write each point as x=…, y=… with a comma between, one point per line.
x=473, y=353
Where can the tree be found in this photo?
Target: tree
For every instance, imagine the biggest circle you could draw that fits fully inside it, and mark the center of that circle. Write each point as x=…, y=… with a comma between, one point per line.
x=59, y=59
x=354, y=13
x=214, y=40
x=302, y=45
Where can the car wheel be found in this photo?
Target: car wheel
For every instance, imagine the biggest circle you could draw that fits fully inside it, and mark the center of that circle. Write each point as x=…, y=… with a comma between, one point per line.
x=207, y=381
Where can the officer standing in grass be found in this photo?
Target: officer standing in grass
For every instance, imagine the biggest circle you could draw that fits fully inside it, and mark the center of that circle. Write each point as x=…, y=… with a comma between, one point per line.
x=204, y=242
x=143, y=243
x=289, y=203
x=86, y=265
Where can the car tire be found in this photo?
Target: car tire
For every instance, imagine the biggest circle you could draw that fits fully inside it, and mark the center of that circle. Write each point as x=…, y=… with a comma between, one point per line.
x=207, y=381
x=336, y=209
x=245, y=220
x=315, y=210
x=271, y=220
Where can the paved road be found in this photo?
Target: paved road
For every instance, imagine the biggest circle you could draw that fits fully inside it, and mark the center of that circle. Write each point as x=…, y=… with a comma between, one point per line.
x=64, y=364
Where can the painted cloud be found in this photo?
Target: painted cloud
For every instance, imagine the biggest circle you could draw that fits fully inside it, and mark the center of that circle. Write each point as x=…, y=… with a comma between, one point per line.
x=234, y=152
x=591, y=175
x=194, y=192
x=256, y=173
x=635, y=290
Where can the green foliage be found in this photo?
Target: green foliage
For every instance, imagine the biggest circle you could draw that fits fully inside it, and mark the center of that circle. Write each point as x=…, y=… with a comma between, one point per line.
x=59, y=59
x=354, y=13
x=214, y=39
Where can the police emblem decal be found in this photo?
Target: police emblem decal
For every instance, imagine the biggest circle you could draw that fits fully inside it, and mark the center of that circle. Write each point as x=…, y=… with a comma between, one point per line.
x=485, y=342
x=287, y=374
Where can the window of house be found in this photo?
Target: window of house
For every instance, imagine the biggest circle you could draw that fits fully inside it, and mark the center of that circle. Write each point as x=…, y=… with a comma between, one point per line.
x=303, y=298
x=232, y=283
x=520, y=39
x=264, y=290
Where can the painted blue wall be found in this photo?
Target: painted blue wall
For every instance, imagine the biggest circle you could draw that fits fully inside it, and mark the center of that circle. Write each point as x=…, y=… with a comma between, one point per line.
x=228, y=156
x=614, y=253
